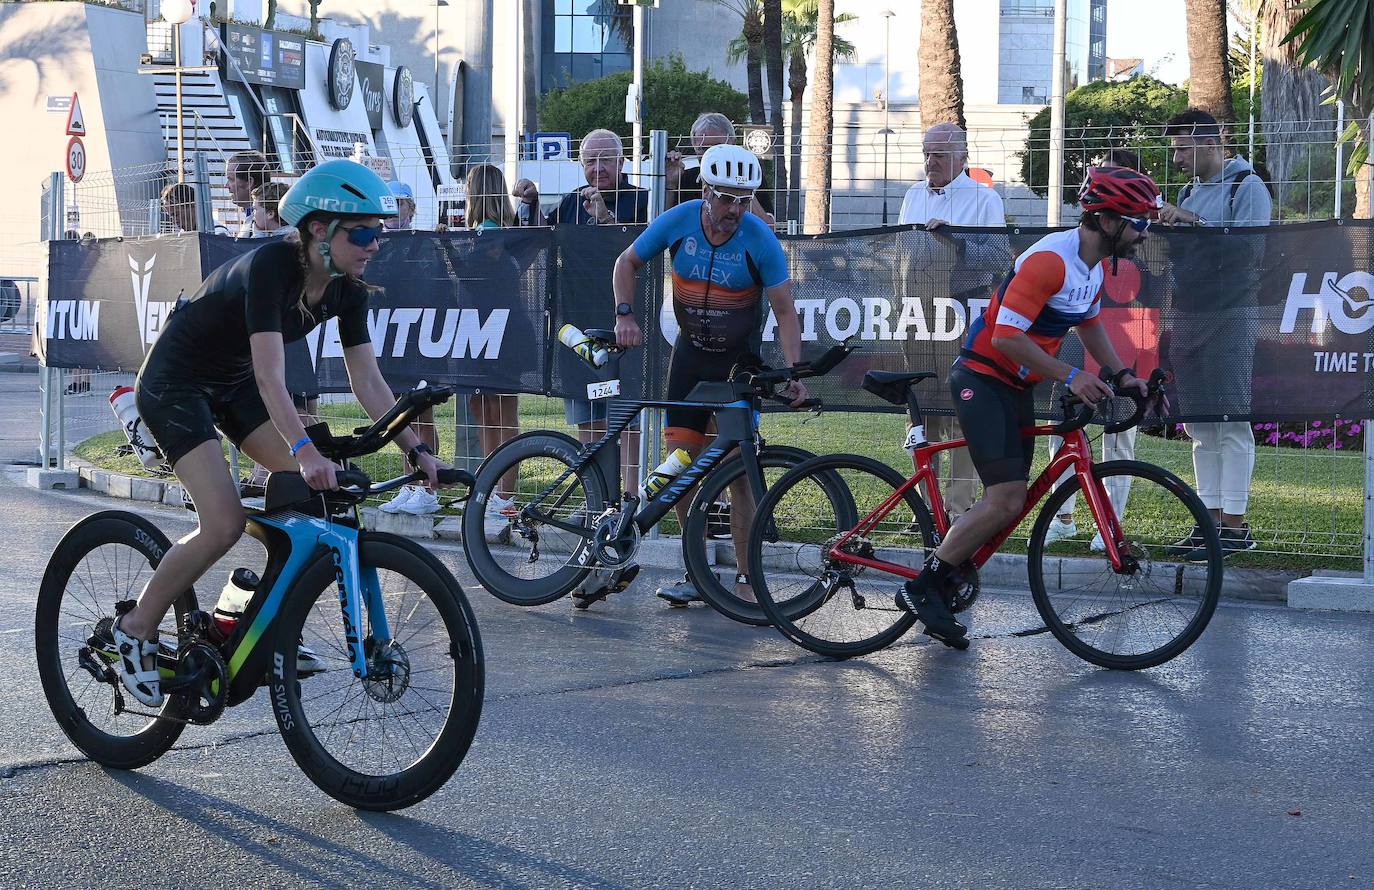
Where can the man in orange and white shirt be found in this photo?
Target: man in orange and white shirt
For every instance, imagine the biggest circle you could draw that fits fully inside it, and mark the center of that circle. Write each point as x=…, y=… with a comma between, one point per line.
x=1054, y=287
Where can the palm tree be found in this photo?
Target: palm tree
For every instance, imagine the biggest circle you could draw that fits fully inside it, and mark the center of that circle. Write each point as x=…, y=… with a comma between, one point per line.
x=941, y=85
x=818, y=130
x=1338, y=40
x=748, y=45
x=1290, y=95
x=772, y=51
x=1209, y=80
x=799, y=35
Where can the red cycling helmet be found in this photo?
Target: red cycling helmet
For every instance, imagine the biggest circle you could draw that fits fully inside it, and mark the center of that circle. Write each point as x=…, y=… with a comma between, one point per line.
x=1120, y=190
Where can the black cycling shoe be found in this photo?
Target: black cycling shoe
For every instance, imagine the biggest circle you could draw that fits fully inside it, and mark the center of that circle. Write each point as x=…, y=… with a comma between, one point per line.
x=930, y=607
x=618, y=581
x=681, y=594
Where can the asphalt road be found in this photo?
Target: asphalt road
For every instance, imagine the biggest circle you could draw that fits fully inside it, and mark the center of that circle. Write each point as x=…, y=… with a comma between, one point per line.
x=637, y=746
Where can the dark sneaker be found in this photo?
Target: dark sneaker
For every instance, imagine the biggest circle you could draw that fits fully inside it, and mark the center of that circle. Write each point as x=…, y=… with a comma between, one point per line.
x=682, y=593
x=930, y=607
x=1184, y=547
x=1236, y=540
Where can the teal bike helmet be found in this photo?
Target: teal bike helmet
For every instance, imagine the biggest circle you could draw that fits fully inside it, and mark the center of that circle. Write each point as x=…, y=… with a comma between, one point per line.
x=338, y=189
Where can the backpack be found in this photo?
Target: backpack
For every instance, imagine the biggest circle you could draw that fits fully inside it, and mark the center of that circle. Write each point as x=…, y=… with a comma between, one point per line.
x=1235, y=181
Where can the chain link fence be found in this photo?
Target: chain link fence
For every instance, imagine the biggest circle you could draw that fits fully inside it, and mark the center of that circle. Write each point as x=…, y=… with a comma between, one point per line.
x=1308, y=488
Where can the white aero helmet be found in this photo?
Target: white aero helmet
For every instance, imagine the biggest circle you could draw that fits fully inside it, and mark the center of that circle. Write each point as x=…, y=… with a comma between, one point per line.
x=731, y=166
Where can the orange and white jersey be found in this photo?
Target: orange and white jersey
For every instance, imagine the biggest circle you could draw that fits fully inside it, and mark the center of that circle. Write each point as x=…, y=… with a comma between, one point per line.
x=1049, y=291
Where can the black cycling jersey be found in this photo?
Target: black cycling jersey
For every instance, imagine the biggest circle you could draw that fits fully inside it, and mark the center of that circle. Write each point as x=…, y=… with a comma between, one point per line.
x=198, y=377
x=206, y=340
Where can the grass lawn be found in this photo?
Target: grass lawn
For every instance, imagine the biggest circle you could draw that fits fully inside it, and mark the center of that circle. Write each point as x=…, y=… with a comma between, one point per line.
x=1305, y=507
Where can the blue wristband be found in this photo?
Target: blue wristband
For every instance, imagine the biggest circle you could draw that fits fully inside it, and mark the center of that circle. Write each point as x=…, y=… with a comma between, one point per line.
x=1067, y=381
x=305, y=440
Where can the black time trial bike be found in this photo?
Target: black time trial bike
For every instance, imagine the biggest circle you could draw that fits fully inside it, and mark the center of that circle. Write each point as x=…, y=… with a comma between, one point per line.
x=569, y=517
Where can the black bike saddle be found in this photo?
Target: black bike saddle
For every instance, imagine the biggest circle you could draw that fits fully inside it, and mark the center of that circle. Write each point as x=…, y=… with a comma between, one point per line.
x=891, y=386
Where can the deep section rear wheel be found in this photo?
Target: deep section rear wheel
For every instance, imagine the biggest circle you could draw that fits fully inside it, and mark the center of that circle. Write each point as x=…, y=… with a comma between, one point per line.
x=523, y=558
x=104, y=558
x=1158, y=605
x=394, y=738
x=713, y=509
x=816, y=599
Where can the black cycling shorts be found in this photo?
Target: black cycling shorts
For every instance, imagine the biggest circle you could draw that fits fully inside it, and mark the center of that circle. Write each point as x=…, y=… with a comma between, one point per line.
x=992, y=415
x=182, y=415
x=688, y=367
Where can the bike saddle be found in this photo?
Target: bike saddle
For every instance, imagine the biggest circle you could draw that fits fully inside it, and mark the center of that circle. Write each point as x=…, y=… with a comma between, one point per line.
x=891, y=386
x=601, y=334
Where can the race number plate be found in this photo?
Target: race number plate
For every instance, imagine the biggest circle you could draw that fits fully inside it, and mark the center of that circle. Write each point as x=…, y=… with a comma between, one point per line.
x=603, y=390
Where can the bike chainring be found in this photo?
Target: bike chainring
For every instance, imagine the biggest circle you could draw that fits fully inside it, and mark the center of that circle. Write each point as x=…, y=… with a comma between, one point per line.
x=964, y=588
x=205, y=700
x=610, y=550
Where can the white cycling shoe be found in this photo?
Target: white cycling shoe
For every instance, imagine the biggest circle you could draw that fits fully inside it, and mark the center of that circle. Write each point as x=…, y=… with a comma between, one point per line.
x=144, y=685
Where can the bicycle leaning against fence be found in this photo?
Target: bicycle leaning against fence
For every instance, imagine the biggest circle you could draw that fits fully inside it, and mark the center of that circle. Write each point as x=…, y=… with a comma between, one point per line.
x=569, y=516
x=366, y=643
x=827, y=577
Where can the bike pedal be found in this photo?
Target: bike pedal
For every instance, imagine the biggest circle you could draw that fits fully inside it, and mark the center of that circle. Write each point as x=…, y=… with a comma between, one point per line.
x=582, y=600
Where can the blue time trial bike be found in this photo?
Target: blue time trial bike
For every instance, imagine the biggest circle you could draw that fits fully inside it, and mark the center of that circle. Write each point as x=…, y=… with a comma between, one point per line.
x=364, y=640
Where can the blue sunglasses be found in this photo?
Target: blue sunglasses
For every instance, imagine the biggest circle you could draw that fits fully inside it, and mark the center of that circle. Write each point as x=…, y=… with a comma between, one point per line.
x=362, y=236
x=1137, y=223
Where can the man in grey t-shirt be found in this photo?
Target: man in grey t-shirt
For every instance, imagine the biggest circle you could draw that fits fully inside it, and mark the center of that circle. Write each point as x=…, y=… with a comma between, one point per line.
x=1213, y=322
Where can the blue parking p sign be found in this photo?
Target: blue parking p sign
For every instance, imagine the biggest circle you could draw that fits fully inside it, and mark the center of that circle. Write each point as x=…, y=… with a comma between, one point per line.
x=553, y=146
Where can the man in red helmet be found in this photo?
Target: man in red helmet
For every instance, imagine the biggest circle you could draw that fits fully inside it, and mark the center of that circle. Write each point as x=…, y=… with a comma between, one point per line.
x=1054, y=286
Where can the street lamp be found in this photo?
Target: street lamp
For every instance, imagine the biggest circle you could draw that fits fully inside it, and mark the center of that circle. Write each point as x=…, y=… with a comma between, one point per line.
x=887, y=97
x=434, y=98
x=178, y=13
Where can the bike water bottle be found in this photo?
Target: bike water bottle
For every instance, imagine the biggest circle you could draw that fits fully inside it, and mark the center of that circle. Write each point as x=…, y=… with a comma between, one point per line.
x=125, y=406
x=238, y=590
x=580, y=343
x=678, y=461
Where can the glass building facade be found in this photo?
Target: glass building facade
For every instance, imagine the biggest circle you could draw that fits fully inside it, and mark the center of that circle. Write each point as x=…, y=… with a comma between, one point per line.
x=582, y=40
x=1026, y=46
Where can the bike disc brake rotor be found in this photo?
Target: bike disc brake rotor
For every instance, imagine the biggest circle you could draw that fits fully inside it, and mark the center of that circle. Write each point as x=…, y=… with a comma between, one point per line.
x=855, y=546
x=388, y=670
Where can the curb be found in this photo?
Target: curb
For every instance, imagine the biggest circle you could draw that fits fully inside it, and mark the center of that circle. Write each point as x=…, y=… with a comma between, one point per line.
x=1003, y=570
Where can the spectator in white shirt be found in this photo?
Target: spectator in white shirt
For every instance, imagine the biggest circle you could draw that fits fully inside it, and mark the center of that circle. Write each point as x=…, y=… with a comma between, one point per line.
x=949, y=197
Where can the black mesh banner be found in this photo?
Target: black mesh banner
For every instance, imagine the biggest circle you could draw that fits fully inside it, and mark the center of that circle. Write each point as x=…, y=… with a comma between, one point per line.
x=1266, y=324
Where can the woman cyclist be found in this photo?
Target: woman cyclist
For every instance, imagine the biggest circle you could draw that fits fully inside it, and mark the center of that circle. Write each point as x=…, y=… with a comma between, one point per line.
x=219, y=364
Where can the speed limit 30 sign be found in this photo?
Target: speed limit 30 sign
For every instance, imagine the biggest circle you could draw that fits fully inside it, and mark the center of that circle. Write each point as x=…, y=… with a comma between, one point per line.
x=76, y=159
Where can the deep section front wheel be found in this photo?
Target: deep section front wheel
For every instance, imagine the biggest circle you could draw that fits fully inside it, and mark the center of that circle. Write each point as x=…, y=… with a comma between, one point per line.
x=1160, y=600
x=104, y=558
x=811, y=593
x=537, y=550
x=395, y=737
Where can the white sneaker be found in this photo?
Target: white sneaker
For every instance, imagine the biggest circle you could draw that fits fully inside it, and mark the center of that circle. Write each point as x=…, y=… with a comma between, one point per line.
x=1097, y=546
x=1060, y=531
x=497, y=516
x=421, y=503
x=398, y=503
x=498, y=507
